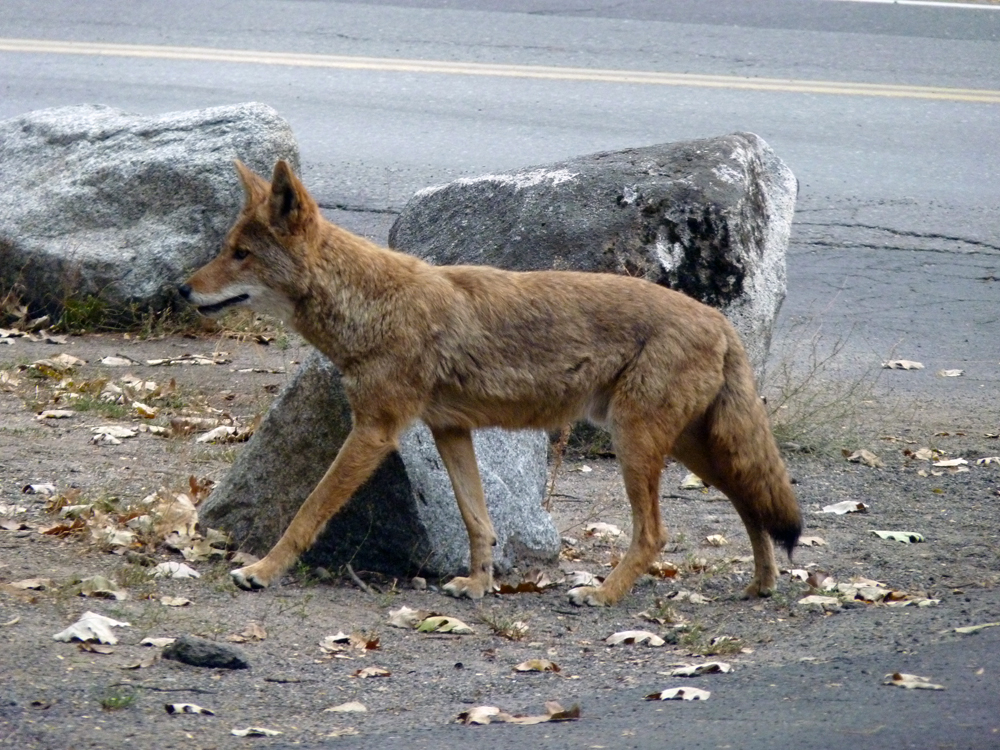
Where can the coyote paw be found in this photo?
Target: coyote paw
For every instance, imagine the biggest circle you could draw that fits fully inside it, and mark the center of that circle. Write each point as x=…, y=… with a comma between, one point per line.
x=756, y=590
x=249, y=579
x=587, y=595
x=470, y=587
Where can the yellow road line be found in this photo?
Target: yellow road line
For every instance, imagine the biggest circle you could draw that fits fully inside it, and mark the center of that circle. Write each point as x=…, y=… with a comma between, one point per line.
x=346, y=62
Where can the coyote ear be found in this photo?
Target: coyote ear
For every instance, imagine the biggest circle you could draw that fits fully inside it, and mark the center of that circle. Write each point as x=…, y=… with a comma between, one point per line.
x=254, y=186
x=290, y=206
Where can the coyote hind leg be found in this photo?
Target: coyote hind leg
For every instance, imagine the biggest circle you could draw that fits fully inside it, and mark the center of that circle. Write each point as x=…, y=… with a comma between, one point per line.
x=458, y=454
x=692, y=450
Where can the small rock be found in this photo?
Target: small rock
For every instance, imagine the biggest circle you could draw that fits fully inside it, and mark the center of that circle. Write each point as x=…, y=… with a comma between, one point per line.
x=418, y=583
x=199, y=652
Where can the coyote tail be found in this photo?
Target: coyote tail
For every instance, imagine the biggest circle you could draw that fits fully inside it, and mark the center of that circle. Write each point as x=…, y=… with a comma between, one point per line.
x=740, y=431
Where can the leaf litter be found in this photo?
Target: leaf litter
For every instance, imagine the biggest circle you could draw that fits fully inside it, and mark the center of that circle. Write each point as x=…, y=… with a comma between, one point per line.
x=91, y=627
x=490, y=714
x=680, y=694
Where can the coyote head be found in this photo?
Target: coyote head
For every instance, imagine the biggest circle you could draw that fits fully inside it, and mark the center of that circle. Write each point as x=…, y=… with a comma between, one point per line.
x=263, y=260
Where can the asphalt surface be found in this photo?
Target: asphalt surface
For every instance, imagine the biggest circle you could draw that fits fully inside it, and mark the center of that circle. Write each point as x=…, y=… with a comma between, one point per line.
x=896, y=244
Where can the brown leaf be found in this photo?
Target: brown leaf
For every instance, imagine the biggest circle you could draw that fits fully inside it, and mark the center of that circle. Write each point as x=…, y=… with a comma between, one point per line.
x=537, y=665
x=371, y=672
x=662, y=569
x=95, y=648
x=36, y=584
x=252, y=632
x=200, y=488
x=143, y=663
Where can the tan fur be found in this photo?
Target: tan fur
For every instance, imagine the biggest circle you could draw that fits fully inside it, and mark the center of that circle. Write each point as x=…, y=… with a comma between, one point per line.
x=464, y=347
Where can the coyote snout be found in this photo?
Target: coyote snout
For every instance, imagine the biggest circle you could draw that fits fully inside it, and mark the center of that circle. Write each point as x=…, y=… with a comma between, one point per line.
x=464, y=347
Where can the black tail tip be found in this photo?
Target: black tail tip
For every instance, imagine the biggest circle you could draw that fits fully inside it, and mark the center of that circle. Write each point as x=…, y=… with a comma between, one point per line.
x=787, y=537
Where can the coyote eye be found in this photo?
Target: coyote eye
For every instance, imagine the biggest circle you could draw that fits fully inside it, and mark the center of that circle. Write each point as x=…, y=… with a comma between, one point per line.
x=240, y=253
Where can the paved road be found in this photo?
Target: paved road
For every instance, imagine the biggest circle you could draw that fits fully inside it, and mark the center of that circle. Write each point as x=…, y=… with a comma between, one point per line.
x=896, y=241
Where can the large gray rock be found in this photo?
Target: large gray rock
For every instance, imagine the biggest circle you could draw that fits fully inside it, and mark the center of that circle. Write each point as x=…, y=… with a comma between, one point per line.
x=405, y=520
x=710, y=218
x=97, y=202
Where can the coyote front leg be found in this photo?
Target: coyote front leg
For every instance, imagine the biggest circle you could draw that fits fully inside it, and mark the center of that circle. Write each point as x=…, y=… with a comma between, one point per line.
x=359, y=456
x=458, y=454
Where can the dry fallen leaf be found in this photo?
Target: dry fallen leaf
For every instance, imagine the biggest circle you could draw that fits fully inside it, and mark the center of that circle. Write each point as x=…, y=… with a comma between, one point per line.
x=255, y=732
x=114, y=430
x=951, y=463
x=174, y=514
x=91, y=627
x=350, y=707
x=95, y=648
x=532, y=582
x=343, y=732
x=680, y=694
x=202, y=550
x=187, y=425
x=950, y=373
x=187, y=708
x=478, y=715
x=902, y=364
x=970, y=629
x=174, y=601
x=694, y=670
x=35, y=584
x=692, y=481
x=906, y=537
x=117, y=362
x=218, y=434
x=99, y=586
x=444, y=624
x=600, y=530
x=717, y=540
x=910, y=681
x=847, y=506
x=820, y=580
x=404, y=617
x=634, y=636
x=488, y=714
x=663, y=569
x=811, y=541
x=371, y=672
x=174, y=570
x=56, y=414
x=688, y=596
x=47, y=489
x=537, y=665
x=157, y=642
x=143, y=663
x=253, y=632
x=144, y=410
x=865, y=457
x=823, y=602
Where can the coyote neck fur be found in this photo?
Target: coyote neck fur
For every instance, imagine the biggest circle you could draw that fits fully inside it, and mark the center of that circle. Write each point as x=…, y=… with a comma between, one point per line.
x=354, y=296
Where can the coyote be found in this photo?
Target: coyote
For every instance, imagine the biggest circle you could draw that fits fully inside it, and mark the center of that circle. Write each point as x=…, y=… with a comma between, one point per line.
x=464, y=347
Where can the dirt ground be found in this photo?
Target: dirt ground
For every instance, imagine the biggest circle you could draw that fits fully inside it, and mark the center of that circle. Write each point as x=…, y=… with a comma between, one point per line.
x=55, y=695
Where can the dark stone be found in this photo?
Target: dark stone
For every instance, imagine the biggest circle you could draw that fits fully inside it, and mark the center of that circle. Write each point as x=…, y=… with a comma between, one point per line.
x=201, y=653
